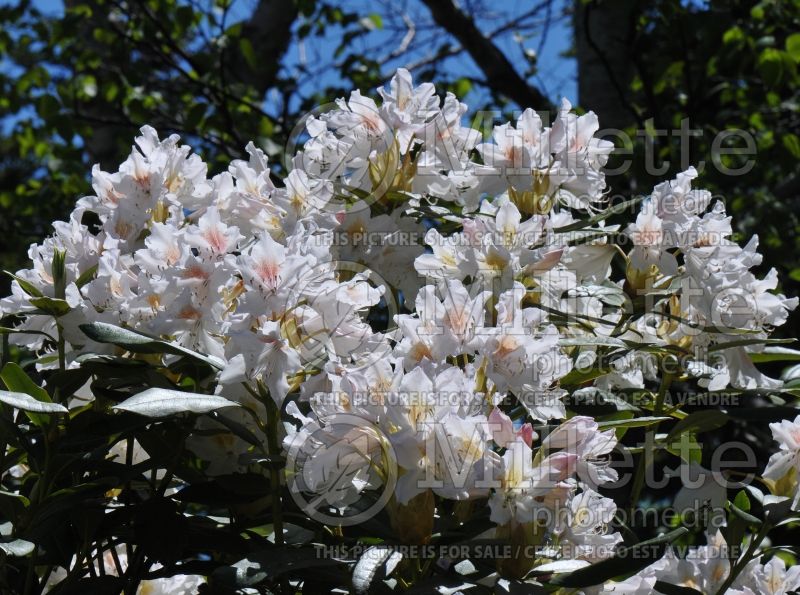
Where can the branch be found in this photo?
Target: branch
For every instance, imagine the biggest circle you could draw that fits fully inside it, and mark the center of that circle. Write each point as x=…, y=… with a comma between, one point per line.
x=407, y=38
x=500, y=74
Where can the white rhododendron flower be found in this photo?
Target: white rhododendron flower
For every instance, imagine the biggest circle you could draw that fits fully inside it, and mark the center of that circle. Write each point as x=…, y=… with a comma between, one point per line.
x=785, y=462
x=586, y=531
x=425, y=310
x=707, y=568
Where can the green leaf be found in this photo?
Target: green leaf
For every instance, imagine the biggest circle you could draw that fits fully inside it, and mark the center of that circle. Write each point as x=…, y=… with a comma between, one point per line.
x=248, y=53
x=734, y=35
x=792, y=144
x=239, y=429
x=793, y=46
x=19, y=548
x=560, y=566
x=592, y=342
x=625, y=562
x=51, y=306
x=26, y=286
x=184, y=16
x=747, y=343
x=225, y=490
x=97, y=585
x=162, y=402
x=698, y=422
x=17, y=380
x=462, y=86
x=28, y=403
x=136, y=342
x=734, y=533
x=636, y=422
x=86, y=276
x=13, y=505
x=591, y=395
x=48, y=107
x=745, y=516
x=576, y=377
x=669, y=589
x=742, y=501
x=369, y=566
x=770, y=66
x=763, y=414
x=615, y=210
x=261, y=566
x=775, y=354
x=27, y=393
x=686, y=447
x=4, y=330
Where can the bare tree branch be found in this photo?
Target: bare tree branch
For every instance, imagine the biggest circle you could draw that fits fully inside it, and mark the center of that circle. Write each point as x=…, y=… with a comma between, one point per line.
x=407, y=38
x=500, y=74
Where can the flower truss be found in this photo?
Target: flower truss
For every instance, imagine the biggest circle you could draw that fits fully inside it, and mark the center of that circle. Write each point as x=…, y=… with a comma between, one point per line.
x=458, y=322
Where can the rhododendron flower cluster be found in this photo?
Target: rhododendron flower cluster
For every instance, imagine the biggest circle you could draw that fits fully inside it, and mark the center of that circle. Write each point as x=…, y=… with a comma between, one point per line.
x=458, y=295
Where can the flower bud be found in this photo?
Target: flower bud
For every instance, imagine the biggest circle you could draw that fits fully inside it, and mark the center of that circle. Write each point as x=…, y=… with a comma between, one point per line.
x=524, y=539
x=413, y=522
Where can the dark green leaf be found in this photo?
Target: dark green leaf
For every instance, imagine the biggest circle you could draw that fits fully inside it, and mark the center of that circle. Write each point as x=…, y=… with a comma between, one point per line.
x=636, y=422
x=770, y=66
x=793, y=46
x=27, y=287
x=28, y=403
x=615, y=210
x=25, y=394
x=269, y=564
x=51, y=306
x=136, y=342
x=742, y=501
x=18, y=548
x=370, y=564
x=775, y=354
x=627, y=561
x=745, y=516
x=669, y=589
x=162, y=402
x=86, y=276
x=698, y=422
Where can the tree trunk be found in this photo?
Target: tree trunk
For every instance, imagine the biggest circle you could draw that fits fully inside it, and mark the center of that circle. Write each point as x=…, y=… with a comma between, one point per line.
x=605, y=68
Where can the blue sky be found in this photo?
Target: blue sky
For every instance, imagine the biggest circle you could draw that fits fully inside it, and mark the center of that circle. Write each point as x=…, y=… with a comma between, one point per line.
x=556, y=75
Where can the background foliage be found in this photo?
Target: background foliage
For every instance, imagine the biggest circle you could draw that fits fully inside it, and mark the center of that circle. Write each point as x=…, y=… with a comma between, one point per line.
x=77, y=81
